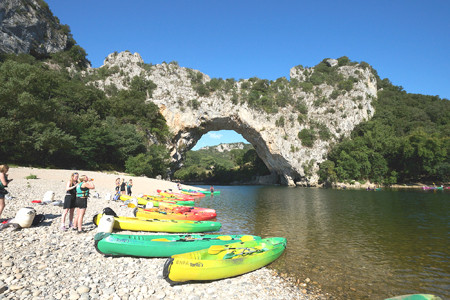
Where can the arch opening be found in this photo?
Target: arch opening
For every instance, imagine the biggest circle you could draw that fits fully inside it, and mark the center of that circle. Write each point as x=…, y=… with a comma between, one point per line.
x=279, y=169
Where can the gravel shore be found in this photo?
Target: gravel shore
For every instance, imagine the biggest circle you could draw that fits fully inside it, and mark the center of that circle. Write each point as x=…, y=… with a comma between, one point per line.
x=44, y=262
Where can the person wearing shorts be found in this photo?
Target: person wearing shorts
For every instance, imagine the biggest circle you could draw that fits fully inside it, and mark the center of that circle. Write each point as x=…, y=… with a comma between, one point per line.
x=3, y=183
x=69, y=201
x=81, y=201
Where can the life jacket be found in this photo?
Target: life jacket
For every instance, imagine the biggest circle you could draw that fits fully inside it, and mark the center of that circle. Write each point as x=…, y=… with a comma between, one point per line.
x=82, y=192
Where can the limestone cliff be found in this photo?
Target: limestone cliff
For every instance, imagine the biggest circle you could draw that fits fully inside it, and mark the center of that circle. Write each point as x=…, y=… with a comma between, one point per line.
x=28, y=26
x=322, y=103
x=226, y=147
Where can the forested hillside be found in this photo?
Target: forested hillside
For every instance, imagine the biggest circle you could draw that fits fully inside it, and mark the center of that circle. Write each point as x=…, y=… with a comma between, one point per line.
x=407, y=140
x=212, y=166
x=50, y=118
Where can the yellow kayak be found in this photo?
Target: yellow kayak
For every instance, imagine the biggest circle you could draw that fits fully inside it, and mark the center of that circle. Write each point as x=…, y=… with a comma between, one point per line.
x=156, y=225
x=222, y=261
x=155, y=200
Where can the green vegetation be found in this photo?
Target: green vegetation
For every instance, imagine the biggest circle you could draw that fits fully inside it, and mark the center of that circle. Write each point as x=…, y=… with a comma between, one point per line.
x=31, y=176
x=51, y=119
x=212, y=166
x=407, y=140
x=307, y=136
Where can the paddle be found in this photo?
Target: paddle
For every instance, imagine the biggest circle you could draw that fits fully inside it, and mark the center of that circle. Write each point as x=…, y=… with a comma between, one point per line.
x=247, y=238
x=222, y=237
x=231, y=255
x=215, y=249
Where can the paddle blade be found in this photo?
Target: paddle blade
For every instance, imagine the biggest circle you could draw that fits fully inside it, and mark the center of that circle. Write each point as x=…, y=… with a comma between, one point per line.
x=224, y=238
x=247, y=238
x=161, y=240
x=215, y=249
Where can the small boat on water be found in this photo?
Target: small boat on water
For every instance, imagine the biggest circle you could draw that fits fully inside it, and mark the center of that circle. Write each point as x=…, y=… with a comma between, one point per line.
x=192, y=193
x=433, y=188
x=140, y=245
x=416, y=297
x=222, y=261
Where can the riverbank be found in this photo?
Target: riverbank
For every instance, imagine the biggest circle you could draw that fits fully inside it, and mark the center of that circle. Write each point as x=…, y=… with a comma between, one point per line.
x=368, y=185
x=44, y=262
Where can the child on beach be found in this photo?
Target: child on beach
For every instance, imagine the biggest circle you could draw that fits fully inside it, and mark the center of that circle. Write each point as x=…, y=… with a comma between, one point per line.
x=3, y=183
x=69, y=201
x=81, y=201
x=129, y=186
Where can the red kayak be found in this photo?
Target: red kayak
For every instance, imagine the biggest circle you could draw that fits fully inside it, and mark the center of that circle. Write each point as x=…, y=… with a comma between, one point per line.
x=162, y=215
x=175, y=195
x=183, y=209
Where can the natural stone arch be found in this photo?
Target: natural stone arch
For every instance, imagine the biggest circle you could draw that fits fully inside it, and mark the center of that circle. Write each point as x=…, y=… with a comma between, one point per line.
x=187, y=138
x=190, y=112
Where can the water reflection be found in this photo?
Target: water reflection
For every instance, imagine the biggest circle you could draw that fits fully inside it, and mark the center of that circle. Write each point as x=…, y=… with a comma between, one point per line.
x=355, y=244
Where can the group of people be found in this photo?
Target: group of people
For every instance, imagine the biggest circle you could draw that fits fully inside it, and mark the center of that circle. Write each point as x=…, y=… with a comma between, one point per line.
x=77, y=193
x=122, y=186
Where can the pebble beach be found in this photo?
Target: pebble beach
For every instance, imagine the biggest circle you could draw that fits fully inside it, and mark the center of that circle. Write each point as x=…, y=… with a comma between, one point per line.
x=44, y=262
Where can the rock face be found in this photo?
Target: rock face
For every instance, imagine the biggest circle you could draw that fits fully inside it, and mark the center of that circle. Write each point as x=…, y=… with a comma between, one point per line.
x=28, y=26
x=225, y=147
x=324, y=102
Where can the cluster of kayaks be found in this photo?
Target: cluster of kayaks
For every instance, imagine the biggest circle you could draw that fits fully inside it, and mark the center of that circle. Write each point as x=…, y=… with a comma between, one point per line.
x=192, y=256
x=435, y=188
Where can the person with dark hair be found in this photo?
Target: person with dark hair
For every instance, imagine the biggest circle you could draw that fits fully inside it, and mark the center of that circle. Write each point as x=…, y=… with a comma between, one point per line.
x=123, y=186
x=3, y=183
x=69, y=201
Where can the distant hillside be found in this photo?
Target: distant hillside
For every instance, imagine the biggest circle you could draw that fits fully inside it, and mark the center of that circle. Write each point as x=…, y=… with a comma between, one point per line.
x=224, y=163
x=228, y=147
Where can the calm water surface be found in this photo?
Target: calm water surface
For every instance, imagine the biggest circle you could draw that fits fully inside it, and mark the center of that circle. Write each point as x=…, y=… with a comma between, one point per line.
x=355, y=244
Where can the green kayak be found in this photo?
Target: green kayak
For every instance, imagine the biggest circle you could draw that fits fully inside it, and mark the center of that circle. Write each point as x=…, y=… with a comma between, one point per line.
x=112, y=244
x=416, y=297
x=209, y=192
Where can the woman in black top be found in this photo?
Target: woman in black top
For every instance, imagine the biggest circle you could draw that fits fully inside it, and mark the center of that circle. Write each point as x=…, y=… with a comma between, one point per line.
x=123, y=186
x=69, y=201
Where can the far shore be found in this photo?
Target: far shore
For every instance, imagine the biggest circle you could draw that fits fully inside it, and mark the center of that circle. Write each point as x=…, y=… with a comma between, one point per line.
x=102, y=180
x=145, y=185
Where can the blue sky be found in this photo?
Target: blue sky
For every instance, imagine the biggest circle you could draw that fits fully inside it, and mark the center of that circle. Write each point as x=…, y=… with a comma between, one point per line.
x=407, y=41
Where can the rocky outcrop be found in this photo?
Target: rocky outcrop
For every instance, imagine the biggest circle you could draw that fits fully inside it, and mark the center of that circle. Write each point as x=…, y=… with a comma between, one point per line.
x=225, y=147
x=28, y=26
x=314, y=109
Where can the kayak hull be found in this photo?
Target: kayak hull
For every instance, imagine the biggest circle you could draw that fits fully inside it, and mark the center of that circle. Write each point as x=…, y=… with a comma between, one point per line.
x=156, y=201
x=235, y=259
x=209, y=192
x=416, y=297
x=163, y=215
x=155, y=225
x=112, y=244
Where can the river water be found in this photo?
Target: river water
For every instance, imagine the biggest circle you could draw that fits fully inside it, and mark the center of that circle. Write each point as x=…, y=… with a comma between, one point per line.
x=355, y=244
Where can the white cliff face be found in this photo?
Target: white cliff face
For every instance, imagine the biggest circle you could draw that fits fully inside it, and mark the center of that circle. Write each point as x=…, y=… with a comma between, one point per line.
x=28, y=26
x=225, y=147
x=334, y=108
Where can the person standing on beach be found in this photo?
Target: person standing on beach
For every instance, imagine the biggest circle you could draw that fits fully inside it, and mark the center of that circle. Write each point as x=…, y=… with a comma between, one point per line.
x=69, y=201
x=129, y=186
x=117, y=185
x=81, y=201
x=122, y=186
x=3, y=183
